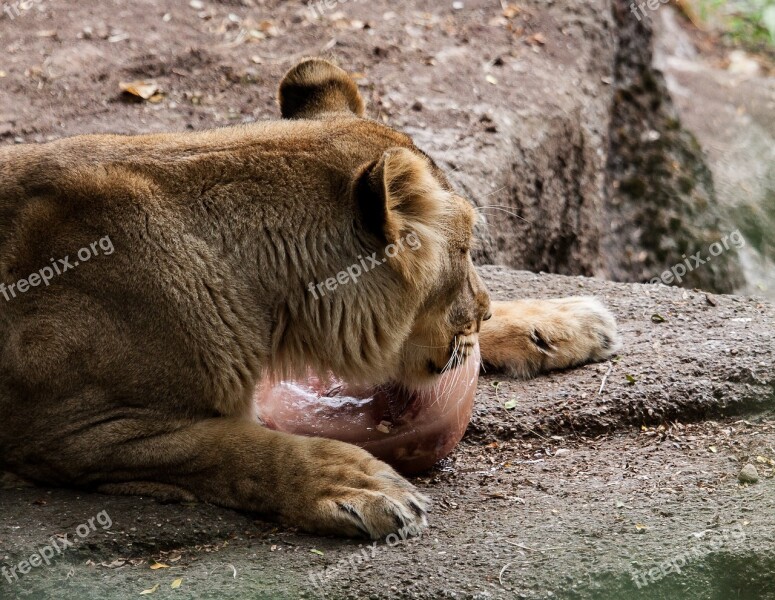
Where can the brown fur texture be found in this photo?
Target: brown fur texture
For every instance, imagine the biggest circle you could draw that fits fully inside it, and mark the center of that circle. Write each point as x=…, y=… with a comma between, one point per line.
x=133, y=372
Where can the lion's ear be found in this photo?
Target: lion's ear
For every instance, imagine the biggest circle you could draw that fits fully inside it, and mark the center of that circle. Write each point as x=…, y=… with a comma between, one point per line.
x=398, y=198
x=314, y=88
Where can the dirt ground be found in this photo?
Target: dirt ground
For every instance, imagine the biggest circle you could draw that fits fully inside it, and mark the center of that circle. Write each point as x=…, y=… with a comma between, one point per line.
x=583, y=490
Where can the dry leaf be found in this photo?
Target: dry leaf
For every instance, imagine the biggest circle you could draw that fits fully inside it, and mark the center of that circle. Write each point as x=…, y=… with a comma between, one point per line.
x=511, y=11
x=150, y=591
x=268, y=28
x=119, y=562
x=156, y=566
x=118, y=37
x=497, y=22
x=176, y=584
x=140, y=89
x=492, y=80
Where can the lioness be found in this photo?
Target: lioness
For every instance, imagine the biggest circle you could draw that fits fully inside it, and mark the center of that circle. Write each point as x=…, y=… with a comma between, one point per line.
x=133, y=372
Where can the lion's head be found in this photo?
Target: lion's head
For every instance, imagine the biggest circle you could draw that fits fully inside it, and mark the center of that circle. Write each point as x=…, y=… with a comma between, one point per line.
x=407, y=303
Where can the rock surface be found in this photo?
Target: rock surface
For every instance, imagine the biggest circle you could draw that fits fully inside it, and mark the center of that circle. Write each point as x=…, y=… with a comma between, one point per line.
x=549, y=114
x=661, y=203
x=733, y=116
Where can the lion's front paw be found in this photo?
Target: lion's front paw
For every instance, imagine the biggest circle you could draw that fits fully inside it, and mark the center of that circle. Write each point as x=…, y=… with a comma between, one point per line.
x=576, y=331
x=346, y=491
x=528, y=337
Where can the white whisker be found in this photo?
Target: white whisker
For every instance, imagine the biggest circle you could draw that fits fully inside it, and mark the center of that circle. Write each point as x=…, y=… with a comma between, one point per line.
x=449, y=362
x=450, y=365
x=495, y=192
x=453, y=385
x=504, y=209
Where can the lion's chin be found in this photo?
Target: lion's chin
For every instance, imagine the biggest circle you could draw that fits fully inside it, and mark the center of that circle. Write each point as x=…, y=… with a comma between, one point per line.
x=409, y=426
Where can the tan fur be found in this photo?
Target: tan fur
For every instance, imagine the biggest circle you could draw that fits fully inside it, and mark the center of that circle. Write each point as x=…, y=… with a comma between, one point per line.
x=134, y=372
x=528, y=337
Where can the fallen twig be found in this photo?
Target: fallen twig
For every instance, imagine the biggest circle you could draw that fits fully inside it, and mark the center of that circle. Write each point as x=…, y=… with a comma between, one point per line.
x=605, y=377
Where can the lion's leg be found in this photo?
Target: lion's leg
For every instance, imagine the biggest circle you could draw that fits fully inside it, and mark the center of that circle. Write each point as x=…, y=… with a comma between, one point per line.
x=320, y=485
x=528, y=337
